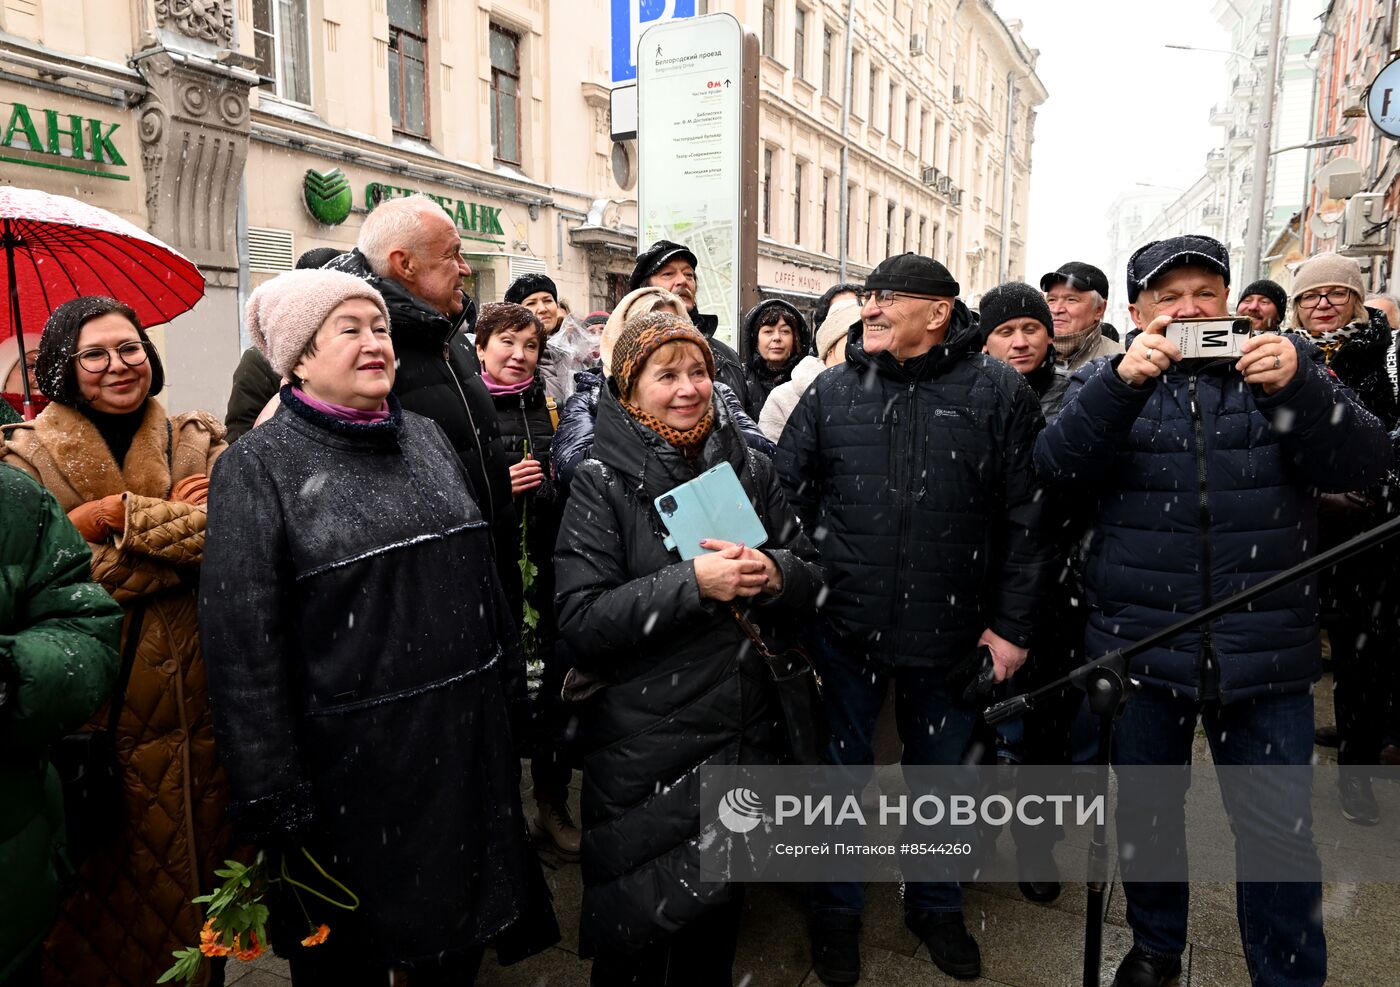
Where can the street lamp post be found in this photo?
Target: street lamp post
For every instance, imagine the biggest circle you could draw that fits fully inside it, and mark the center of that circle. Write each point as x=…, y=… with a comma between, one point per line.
x=1263, y=134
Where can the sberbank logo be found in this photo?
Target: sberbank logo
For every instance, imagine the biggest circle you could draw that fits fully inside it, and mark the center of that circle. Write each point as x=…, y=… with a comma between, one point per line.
x=327, y=195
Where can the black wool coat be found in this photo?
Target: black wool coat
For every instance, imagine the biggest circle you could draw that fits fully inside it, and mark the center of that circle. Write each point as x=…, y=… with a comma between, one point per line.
x=439, y=377
x=363, y=671
x=686, y=688
x=918, y=482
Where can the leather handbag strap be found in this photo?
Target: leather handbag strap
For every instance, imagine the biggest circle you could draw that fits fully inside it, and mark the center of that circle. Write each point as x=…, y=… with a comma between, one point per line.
x=751, y=632
x=133, y=638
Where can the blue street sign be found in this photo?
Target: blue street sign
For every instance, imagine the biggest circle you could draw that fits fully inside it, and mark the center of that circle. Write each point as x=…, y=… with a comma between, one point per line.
x=629, y=19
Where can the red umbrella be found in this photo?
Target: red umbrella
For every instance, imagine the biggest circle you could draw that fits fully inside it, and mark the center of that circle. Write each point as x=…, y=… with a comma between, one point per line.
x=57, y=249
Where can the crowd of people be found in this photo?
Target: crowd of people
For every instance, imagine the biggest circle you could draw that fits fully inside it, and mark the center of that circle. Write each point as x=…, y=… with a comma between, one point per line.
x=423, y=547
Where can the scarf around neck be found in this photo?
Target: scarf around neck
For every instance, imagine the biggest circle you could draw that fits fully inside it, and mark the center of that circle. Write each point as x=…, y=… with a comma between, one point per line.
x=498, y=389
x=689, y=441
x=345, y=414
x=1331, y=340
x=1068, y=346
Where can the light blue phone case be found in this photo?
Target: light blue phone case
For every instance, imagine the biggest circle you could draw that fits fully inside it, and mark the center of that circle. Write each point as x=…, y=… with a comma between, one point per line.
x=713, y=505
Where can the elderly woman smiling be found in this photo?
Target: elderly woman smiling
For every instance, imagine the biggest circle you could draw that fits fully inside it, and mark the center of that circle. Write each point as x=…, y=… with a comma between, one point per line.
x=358, y=636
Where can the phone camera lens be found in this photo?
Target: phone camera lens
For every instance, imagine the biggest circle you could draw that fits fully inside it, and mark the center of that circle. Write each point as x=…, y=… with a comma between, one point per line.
x=668, y=505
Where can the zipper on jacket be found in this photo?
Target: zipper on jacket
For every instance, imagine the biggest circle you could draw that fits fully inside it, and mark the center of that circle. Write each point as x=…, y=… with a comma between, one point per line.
x=906, y=497
x=476, y=436
x=1198, y=427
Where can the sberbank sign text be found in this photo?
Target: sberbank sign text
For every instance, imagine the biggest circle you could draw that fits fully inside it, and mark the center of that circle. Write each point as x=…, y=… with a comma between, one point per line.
x=64, y=141
x=473, y=220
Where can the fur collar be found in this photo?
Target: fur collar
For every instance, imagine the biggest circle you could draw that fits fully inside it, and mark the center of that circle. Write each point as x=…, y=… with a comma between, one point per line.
x=87, y=465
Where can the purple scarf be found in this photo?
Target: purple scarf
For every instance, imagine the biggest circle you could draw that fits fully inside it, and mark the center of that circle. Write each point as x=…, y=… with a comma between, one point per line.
x=353, y=415
x=498, y=389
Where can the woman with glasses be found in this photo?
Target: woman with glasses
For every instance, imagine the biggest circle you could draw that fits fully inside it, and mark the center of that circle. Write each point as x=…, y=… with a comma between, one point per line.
x=134, y=482
x=1329, y=309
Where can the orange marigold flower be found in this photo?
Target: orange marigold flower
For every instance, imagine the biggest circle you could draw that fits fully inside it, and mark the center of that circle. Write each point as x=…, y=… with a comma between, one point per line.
x=252, y=952
x=317, y=937
x=207, y=934
x=213, y=947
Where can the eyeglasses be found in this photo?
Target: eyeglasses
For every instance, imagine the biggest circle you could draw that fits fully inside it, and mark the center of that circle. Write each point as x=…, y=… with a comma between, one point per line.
x=96, y=359
x=1312, y=299
x=885, y=298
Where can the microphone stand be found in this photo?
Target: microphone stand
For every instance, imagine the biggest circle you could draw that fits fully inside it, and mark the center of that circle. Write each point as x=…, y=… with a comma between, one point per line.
x=1106, y=683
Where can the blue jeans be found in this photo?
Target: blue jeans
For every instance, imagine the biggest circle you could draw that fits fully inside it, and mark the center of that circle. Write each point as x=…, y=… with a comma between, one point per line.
x=1280, y=923
x=932, y=729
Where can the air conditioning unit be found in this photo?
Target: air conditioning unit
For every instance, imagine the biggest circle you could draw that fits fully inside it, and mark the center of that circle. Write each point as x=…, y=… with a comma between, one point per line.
x=1364, y=226
x=945, y=184
x=930, y=176
x=916, y=44
x=1354, y=101
x=955, y=197
x=957, y=94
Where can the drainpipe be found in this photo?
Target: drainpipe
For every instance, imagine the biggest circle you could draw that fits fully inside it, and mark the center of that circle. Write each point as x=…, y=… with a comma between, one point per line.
x=843, y=218
x=1004, y=270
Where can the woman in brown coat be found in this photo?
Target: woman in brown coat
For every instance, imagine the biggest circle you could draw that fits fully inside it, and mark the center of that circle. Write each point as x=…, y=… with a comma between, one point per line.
x=134, y=482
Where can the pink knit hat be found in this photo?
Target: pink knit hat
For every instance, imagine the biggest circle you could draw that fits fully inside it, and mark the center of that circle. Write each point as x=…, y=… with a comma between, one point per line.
x=284, y=314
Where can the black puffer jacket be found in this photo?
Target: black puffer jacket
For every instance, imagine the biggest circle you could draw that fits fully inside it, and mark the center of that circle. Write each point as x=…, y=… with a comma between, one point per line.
x=573, y=441
x=729, y=369
x=762, y=378
x=356, y=635
x=687, y=690
x=254, y=384
x=1360, y=363
x=918, y=482
x=1050, y=381
x=1205, y=486
x=439, y=377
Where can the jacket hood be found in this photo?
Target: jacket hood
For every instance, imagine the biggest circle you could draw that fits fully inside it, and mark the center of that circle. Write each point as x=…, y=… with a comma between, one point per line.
x=411, y=320
x=963, y=339
x=802, y=344
x=648, y=463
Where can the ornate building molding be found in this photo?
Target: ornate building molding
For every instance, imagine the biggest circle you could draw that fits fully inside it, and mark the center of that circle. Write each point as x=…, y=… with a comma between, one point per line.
x=193, y=125
x=207, y=20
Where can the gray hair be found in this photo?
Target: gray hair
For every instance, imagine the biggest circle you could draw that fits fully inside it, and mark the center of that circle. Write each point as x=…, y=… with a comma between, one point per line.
x=393, y=225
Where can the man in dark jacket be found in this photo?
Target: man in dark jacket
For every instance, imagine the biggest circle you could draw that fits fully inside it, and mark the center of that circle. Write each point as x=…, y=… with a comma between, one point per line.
x=672, y=266
x=921, y=571
x=254, y=383
x=410, y=252
x=1204, y=476
x=1019, y=331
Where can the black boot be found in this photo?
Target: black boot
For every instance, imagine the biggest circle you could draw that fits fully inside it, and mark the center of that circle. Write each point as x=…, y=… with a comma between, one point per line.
x=950, y=946
x=1140, y=969
x=835, y=947
x=1358, y=800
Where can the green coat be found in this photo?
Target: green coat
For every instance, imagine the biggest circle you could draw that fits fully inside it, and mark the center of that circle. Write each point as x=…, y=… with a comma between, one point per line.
x=58, y=650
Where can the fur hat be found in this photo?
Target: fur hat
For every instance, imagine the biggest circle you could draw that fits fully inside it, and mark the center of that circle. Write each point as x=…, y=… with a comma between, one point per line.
x=530, y=284
x=838, y=324
x=643, y=336
x=285, y=313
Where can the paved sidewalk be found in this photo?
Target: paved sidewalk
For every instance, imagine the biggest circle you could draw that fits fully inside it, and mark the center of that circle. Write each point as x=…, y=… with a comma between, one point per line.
x=1023, y=944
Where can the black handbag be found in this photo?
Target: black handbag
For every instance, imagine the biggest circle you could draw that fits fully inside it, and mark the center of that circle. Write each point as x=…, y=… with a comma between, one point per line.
x=88, y=768
x=798, y=689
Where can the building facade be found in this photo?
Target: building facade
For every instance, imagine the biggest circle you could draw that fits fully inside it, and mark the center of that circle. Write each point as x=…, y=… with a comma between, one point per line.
x=1217, y=203
x=941, y=100
x=245, y=132
x=1355, y=215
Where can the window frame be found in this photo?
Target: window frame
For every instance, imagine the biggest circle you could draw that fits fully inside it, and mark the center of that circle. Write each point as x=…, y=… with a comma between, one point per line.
x=493, y=109
x=799, y=43
x=797, y=202
x=277, y=35
x=769, y=36
x=828, y=48
x=394, y=46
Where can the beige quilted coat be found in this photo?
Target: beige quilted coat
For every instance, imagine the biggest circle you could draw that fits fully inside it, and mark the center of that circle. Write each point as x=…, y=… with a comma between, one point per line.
x=132, y=904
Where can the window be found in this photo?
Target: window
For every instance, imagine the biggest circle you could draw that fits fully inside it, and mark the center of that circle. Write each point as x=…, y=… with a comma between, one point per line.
x=826, y=208
x=505, y=95
x=870, y=226
x=909, y=122
x=408, y=59
x=889, y=114
x=768, y=191
x=924, y=154
x=889, y=227
x=874, y=88
x=282, y=42
x=908, y=229
x=923, y=223
x=799, y=44
x=797, y=203
x=827, y=42
x=769, y=28
x=850, y=208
